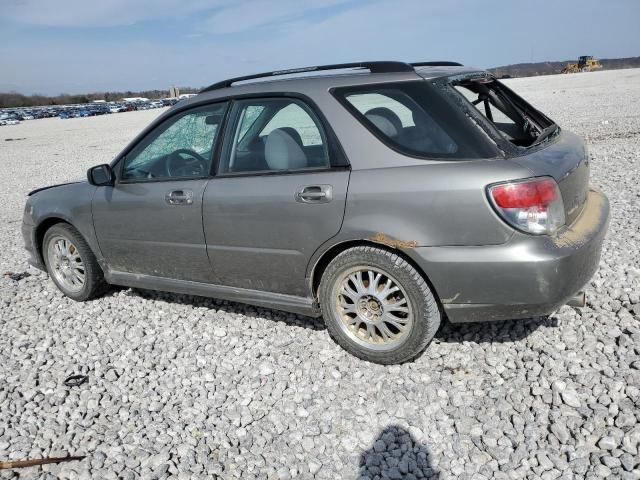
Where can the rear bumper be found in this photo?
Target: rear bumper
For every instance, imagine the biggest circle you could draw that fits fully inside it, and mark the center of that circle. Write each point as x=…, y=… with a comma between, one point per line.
x=527, y=276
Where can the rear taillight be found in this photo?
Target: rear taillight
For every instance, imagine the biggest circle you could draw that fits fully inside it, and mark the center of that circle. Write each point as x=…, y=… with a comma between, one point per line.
x=533, y=206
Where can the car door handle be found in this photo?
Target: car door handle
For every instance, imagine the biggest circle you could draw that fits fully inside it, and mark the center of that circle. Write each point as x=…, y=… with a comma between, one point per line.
x=314, y=194
x=179, y=197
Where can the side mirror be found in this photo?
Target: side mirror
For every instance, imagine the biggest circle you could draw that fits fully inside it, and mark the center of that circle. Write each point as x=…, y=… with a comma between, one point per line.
x=101, y=176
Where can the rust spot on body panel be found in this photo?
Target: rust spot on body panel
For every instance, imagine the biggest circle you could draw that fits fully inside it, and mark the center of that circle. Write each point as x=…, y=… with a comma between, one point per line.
x=392, y=242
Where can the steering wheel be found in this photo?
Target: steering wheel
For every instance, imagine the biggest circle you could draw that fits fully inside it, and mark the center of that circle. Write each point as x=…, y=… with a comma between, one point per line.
x=177, y=166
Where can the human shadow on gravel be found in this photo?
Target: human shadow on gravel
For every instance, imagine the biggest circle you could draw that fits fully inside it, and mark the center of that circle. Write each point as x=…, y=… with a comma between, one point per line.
x=229, y=307
x=492, y=332
x=395, y=454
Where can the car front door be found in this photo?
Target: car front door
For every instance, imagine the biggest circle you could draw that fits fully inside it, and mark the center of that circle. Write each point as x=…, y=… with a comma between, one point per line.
x=150, y=221
x=279, y=194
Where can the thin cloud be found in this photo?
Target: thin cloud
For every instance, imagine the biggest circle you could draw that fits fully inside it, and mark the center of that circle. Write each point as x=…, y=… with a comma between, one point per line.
x=248, y=15
x=107, y=13
x=230, y=15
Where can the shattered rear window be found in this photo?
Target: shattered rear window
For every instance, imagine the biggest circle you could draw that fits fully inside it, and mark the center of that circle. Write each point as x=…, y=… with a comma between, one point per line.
x=515, y=120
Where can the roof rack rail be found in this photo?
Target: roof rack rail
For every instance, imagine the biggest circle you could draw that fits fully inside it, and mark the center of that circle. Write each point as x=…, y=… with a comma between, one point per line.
x=436, y=64
x=373, y=67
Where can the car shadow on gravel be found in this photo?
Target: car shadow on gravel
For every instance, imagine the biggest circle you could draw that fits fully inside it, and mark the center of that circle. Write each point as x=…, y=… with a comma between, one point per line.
x=492, y=332
x=228, y=307
x=477, y=332
x=395, y=454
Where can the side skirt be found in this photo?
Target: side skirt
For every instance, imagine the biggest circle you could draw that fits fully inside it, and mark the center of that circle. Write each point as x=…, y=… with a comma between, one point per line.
x=277, y=301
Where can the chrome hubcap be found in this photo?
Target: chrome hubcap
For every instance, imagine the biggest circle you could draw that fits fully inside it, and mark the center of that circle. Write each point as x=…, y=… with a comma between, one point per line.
x=66, y=264
x=373, y=308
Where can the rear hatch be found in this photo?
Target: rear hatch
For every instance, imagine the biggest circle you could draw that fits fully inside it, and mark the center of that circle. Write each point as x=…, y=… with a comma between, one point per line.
x=526, y=136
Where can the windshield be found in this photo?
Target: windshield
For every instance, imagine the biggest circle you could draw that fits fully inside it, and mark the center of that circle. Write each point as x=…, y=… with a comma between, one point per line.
x=516, y=120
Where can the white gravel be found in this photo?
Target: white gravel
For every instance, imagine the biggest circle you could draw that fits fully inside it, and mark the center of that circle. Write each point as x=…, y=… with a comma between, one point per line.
x=184, y=387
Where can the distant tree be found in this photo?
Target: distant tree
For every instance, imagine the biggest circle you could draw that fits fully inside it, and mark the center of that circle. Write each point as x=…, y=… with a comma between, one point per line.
x=15, y=99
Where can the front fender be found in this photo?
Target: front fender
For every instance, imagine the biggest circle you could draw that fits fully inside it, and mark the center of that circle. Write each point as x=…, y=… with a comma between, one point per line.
x=69, y=203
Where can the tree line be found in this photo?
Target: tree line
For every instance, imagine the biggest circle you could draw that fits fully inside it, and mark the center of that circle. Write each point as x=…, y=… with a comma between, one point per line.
x=15, y=99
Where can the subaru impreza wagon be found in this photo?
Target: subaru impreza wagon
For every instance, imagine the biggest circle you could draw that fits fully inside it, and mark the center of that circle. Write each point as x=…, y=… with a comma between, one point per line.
x=383, y=196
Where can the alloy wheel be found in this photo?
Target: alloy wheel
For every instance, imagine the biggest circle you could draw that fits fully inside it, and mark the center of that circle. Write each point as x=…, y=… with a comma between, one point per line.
x=66, y=264
x=373, y=308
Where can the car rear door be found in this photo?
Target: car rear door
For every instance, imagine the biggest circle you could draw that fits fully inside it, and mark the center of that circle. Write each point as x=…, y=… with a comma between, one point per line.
x=150, y=221
x=278, y=195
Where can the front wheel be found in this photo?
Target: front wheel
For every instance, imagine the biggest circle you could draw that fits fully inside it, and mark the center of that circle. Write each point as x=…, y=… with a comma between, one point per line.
x=71, y=264
x=377, y=306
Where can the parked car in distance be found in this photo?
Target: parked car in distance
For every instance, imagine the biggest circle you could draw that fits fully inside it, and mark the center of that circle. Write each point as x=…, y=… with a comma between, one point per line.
x=383, y=201
x=78, y=110
x=98, y=110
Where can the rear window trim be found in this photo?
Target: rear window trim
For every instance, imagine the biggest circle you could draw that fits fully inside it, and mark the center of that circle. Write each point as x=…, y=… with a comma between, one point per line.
x=340, y=94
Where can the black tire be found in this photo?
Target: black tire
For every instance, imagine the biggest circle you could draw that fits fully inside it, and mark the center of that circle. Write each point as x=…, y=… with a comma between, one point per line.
x=426, y=314
x=94, y=283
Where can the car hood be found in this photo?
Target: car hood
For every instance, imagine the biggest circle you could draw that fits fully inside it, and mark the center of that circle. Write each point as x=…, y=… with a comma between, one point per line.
x=54, y=186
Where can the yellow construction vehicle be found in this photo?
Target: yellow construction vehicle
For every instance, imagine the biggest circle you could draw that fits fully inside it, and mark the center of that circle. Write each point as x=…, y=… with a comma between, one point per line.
x=586, y=63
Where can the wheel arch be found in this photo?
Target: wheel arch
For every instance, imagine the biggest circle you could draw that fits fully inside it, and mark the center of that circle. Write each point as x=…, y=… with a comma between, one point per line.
x=41, y=230
x=326, y=257
x=93, y=283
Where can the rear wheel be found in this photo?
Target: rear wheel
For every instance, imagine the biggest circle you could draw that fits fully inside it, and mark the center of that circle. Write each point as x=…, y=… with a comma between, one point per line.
x=71, y=264
x=377, y=306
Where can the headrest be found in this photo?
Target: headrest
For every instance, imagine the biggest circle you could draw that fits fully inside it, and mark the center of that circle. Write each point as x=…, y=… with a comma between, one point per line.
x=389, y=116
x=293, y=133
x=282, y=152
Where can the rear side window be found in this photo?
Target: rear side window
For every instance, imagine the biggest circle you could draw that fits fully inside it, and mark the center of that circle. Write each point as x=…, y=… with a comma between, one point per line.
x=295, y=117
x=413, y=118
x=274, y=135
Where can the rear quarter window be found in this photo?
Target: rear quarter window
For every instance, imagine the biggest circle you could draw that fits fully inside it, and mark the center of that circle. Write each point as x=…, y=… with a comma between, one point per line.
x=414, y=119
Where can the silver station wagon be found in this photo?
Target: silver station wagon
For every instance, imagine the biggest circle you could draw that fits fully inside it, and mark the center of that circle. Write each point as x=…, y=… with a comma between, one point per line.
x=383, y=196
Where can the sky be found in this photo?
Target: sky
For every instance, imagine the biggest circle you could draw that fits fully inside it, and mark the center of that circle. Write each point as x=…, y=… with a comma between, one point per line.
x=81, y=46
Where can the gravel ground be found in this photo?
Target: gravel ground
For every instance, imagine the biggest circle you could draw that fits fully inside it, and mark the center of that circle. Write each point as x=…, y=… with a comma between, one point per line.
x=183, y=387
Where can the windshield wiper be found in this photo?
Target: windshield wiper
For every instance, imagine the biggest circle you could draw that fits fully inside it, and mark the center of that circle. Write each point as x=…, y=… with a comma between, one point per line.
x=546, y=133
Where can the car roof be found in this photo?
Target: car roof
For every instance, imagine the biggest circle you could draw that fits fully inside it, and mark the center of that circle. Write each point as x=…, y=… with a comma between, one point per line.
x=306, y=81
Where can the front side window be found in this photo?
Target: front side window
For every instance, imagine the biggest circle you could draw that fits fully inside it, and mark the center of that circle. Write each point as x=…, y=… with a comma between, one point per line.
x=181, y=147
x=274, y=135
x=415, y=119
